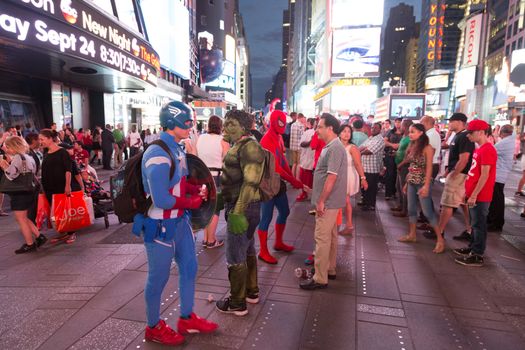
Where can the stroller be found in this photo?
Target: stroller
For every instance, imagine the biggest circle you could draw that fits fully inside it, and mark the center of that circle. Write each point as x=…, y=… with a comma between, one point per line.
x=102, y=203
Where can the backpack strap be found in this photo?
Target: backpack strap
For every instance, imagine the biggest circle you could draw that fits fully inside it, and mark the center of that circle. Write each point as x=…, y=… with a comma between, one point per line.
x=166, y=149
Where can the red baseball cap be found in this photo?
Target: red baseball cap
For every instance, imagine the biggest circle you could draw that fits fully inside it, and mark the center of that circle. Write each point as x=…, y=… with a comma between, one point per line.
x=477, y=125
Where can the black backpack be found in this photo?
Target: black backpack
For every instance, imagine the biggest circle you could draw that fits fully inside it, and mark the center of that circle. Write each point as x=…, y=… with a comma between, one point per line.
x=127, y=188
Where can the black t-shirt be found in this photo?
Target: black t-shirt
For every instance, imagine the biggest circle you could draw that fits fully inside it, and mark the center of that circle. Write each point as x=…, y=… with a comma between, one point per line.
x=392, y=137
x=460, y=144
x=54, y=168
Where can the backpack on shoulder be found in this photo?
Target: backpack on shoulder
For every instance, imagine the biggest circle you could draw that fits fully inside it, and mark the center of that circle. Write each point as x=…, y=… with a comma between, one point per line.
x=271, y=180
x=127, y=188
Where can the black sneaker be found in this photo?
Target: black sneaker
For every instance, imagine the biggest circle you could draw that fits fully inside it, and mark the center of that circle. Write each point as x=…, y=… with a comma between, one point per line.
x=310, y=284
x=462, y=251
x=470, y=260
x=26, y=248
x=252, y=298
x=430, y=234
x=332, y=277
x=463, y=236
x=225, y=307
x=40, y=240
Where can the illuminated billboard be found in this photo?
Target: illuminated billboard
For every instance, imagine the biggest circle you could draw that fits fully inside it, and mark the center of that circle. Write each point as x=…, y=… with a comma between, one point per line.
x=168, y=32
x=356, y=13
x=354, y=99
x=356, y=52
x=407, y=106
x=472, y=40
x=434, y=82
x=465, y=80
x=226, y=81
x=322, y=61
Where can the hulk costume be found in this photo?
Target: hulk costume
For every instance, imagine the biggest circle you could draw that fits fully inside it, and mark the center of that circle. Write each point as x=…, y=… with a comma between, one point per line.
x=241, y=174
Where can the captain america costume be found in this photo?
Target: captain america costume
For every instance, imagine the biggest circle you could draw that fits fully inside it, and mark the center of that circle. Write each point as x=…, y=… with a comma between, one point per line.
x=166, y=228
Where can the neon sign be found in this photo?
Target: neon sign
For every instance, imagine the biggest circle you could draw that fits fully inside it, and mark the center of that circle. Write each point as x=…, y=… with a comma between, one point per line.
x=436, y=22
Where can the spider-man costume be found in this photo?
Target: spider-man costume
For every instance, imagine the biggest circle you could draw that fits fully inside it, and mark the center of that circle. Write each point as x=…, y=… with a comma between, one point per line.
x=273, y=142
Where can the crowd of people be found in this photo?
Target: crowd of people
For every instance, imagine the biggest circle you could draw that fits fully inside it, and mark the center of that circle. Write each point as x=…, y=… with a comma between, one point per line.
x=334, y=163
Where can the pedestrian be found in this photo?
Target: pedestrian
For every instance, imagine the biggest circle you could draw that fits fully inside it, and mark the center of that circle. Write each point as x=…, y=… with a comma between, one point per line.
x=328, y=196
x=459, y=161
x=386, y=127
x=419, y=156
x=13, y=163
x=254, y=131
x=242, y=171
x=296, y=132
x=166, y=228
x=479, y=188
x=34, y=151
x=306, y=162
x=272, y=142
x=81, y=156
x=211, y=148
x=119, y=145
x=505, y=151
x=97, y=144
x=148, y=138
x=79, y=135
x=358, y=136
x=392, y=139
x=135, y=142
x=107, y=141
x=355, y=174
x=68, y=137
x=372, y=157
x=57, y=174
x=401, y=210
x=521, y=183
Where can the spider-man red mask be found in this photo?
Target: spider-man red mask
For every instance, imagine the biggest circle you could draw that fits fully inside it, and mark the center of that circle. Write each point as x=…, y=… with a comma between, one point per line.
x=278, y=121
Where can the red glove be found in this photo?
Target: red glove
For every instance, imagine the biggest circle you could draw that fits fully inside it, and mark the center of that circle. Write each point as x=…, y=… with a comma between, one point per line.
x=193, y=202
x=192, y=189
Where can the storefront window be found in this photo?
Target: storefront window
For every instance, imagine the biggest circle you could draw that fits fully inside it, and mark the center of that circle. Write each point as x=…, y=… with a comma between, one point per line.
x=14, y=113
x=104, y=5
x=126, y=13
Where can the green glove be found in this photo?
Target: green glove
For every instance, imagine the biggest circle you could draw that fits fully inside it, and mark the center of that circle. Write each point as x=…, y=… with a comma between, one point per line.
x=220, y=202
x=237, y=223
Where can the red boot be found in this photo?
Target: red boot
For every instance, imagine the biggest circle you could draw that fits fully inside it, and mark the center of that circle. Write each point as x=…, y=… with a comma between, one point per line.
x=264, y=254
x=163, y=334
x=279, y=244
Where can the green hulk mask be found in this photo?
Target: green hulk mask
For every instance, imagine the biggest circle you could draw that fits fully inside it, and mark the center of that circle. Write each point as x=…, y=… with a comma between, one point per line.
x=241, y=171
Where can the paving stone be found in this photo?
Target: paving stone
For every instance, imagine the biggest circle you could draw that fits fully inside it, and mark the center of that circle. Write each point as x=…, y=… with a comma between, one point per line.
x=422, y=299
x=379, y=302
x=72, y=296
x=62, y=304
x=378, y=336
x=125, y=286
x=127, y=249
x=465, y=292
x=37, y=327
x=329, y=325
x=388, y=320
x=493, y=339
x=434, y=327
x=279, y=326
x=139, y=261
x=111, y=334
x=372, y=248
x=418, y=284
x=296, y=299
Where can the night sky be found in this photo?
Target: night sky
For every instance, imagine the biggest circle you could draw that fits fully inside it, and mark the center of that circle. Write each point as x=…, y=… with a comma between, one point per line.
x=263, y=22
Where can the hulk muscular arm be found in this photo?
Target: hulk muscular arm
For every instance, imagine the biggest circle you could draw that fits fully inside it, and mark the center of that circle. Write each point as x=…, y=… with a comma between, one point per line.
x=251, y=158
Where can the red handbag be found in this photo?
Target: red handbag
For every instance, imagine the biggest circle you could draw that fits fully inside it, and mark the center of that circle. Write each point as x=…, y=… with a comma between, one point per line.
x=70, y=213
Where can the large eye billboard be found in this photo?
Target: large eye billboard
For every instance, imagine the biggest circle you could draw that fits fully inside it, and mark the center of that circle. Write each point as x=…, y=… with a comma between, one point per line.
x=356, y=52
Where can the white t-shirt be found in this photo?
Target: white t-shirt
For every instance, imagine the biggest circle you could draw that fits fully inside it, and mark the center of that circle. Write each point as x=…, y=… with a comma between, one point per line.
x=307, y=154
x=134, y=139
x=435, y=142
x=209, y=149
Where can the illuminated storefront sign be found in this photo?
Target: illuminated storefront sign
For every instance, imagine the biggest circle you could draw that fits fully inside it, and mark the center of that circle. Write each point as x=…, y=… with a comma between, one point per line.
x=226, y=81
x=436, y=21
x=436, y=82
x=77, y=30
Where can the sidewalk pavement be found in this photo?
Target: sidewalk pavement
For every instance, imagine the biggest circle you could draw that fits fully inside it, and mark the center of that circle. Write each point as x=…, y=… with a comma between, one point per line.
x=388, y=295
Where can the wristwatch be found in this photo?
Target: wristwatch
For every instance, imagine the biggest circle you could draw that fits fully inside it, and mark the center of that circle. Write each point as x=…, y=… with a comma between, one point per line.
x=363, y=177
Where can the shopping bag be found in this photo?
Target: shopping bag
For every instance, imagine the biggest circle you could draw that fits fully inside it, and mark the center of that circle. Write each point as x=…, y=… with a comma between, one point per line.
x=43, y=212
x=91, y=210
x=70, y=213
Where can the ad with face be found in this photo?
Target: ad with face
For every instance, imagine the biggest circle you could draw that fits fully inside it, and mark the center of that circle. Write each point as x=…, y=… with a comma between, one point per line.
x=356, y=51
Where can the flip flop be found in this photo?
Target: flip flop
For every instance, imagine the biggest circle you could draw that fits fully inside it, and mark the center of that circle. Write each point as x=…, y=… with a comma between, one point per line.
x=407, y=239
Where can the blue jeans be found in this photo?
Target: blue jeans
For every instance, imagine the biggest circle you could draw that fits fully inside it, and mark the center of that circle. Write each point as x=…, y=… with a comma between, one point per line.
x=283, y=209
x=426, y=205
x=238, y=247
x=160, y=255
x=478, y=221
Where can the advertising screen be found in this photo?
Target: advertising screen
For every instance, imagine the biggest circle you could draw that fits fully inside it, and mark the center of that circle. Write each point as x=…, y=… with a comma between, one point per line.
x=169, y=33
x=353, y=99
x=225, y=81
x=322, y=61
x=356, y=52
x=436, y=82
x=357, y=13
x=405, y=106
x=465, y=80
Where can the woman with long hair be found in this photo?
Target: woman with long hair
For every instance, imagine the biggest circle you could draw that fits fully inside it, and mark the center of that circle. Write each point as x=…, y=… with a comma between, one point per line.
x=419, y=155
x=211, y=148
x=57, y=174
x=16, y=160
x=355, y=172
x=97, y=144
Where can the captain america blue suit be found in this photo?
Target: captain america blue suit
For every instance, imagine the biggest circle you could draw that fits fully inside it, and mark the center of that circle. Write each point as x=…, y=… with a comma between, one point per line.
x=166, y=228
